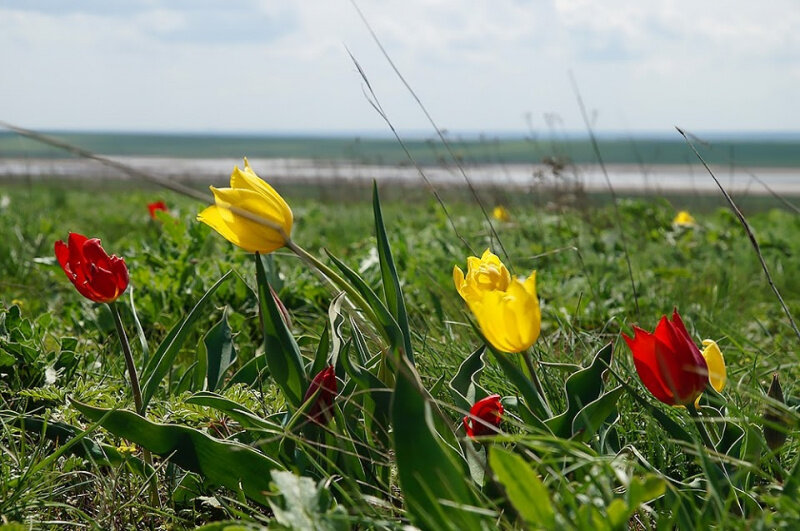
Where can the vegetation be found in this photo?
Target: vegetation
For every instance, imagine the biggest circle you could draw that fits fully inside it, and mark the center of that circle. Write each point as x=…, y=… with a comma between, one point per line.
x=225, y=375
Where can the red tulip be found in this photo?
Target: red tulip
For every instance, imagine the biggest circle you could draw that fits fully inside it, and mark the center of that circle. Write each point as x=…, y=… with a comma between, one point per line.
x=158, y=205
x=325, y=382
x=668, y=362
x=484, y=416
x=96, y=276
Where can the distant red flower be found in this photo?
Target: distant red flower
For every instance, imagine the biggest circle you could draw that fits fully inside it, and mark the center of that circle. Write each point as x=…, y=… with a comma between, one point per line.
x=668, y=362
x=325, y=382
x=96, y=275
x=484, y=416
x=158, y=205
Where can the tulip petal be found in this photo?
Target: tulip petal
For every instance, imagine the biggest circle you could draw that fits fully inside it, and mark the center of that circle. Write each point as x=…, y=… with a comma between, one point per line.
x=717, y=373
x=643, y=347
x=62, y=255
x=248, y=180
x=240, y=231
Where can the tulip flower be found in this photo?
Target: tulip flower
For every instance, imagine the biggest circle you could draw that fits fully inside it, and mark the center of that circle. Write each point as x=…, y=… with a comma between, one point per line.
x=250, y=214
x=501, y=214
x=507, y=309
x=484, y=417
x=155, y=207
x=671, y=366
x=96, y=276
x=325, y=387
x=684, y=219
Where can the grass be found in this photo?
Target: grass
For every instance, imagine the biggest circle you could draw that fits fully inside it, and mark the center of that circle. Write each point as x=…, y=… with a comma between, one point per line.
x=708, y=272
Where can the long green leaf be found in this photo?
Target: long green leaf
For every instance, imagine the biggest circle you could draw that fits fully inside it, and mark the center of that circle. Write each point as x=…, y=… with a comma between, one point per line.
x=589, y=419
x=220, y=352
x=435, y=487
x=158, y=366
x=230, y=464
x=283, y=355
x=391, y=330
x=524, y=489
x=391, y=281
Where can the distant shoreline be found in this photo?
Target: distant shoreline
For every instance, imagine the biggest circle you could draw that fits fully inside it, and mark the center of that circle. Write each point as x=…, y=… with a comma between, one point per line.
x=298, y=171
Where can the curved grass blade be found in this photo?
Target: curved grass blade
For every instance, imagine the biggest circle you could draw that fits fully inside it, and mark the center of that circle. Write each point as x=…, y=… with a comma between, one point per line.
x=220, y=353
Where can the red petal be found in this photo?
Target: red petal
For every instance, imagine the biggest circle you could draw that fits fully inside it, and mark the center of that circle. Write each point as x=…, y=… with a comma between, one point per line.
x=643, y=347
x=120, y=272
x=75, y=243
x=94, y=253
x=62, y=255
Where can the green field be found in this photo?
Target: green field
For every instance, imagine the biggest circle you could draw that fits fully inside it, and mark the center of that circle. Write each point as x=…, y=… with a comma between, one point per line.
x=752, y=151
x=632, y=463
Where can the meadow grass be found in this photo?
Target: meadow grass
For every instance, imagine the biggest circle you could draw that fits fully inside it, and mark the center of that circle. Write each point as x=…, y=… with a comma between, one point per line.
x=709, y=272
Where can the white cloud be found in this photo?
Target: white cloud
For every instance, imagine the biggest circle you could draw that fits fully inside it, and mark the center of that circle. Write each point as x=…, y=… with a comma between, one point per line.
x=270, y=65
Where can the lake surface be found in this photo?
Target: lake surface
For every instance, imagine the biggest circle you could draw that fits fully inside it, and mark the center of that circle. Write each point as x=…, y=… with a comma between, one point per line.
x=624, y=177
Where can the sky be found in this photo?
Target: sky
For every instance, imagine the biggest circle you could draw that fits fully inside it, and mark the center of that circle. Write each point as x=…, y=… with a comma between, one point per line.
x=253, y=66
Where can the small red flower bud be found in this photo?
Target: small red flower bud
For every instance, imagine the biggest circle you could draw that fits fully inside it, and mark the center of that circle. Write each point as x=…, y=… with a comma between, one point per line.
x=96, y=276
x=325, y=382
x=154, y=207
x=484, y=416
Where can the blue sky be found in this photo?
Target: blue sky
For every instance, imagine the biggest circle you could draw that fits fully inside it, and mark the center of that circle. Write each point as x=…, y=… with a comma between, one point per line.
x=281, y=66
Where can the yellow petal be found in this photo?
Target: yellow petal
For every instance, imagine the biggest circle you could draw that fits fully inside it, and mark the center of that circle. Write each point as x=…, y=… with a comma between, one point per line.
x=458, y=280
x=248, y=180
x=717, y=373
x=267, y=209
x=243, y=232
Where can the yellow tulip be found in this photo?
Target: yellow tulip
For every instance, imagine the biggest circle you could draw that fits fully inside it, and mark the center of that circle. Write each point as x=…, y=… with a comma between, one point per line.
x=717, y=373
x=501, y=214
x=507, y=309
x=271, y=223
x=684, y=219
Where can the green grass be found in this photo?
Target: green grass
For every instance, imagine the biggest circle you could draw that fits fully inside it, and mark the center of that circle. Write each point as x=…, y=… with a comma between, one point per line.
x=710, y=273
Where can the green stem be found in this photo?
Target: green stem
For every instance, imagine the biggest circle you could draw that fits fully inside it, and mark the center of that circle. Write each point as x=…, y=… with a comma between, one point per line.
x=357, y=299
x=695, y=414
x=534, y=376
x=126, y=350
x=135, y=389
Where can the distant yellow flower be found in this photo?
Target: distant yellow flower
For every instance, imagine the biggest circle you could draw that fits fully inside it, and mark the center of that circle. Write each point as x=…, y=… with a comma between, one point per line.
x=501, y=214
x=717, y=373
x=272, y=220
x=684, y=219
x=507, y=309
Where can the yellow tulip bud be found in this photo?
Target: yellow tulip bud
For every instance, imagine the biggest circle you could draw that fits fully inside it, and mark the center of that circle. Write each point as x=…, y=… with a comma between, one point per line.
x=249, y=214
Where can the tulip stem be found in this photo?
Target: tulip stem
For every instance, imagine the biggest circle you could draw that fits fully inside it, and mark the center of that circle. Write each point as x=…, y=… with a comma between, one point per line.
x=340, y=283
x=135, y=389
x=694, y=412
x=535, y=377
x=126, y=350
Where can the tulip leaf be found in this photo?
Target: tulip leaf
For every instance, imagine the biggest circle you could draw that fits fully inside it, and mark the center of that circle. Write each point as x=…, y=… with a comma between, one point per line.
x=251, y=372
x=159, y=364
x=387, y=322
x=594, y=414
x=464, y=387
x=227, y=463
x=283, y=355
x=100, y=454
x=581, y=388
x=238, y=412
x=220, y=353
x=321, y=355
x=391, y=282
x=524, y=489
x=436, y=490
x=533, y=400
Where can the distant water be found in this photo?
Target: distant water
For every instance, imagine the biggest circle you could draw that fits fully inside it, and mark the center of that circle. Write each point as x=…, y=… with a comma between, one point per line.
x=624, y=177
